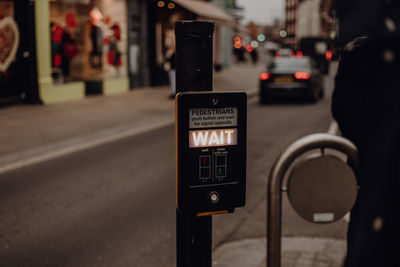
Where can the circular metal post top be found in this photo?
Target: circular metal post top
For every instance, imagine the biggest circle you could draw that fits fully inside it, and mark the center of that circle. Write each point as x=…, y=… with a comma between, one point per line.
x=316, y=178
x=322, y=189
x=307, y=143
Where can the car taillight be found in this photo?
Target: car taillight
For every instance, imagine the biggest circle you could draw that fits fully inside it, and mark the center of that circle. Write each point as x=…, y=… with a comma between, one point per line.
x=299, y=54
x=264, y=76
x=300, y=75
x=237, y=45
x=328, y=55
x=277, y=54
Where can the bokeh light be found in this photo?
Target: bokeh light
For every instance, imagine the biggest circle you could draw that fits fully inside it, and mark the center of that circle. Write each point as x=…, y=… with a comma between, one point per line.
x=160, y=3
x=261, y=37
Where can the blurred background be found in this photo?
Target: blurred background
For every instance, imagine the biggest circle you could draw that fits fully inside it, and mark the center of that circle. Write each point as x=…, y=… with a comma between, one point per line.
x=84, y=47
x=87, y=172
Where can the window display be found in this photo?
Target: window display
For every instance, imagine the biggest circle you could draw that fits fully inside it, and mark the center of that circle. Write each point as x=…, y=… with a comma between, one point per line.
x=9, y=36
x=88, y=40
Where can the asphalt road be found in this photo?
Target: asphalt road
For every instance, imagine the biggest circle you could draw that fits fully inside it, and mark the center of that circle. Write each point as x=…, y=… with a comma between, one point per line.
x=114, y=205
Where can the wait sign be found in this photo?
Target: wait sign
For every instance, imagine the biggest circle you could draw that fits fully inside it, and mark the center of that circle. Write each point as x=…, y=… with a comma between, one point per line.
x=209, y=138
x=211, y=151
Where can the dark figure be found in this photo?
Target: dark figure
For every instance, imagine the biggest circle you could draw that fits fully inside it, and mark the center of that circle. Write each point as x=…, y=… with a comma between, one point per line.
x=96, y=36
x=254, y=56
x=366, y=104
x=69, y=51
x=241, y=54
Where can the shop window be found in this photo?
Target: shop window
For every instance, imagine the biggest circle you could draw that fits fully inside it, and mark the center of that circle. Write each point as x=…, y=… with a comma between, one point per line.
x=9, y=38
x=9, y=44
x=88, y=39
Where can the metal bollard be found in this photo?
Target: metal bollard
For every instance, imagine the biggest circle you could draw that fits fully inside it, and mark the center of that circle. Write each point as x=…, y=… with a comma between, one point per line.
x=277, y=174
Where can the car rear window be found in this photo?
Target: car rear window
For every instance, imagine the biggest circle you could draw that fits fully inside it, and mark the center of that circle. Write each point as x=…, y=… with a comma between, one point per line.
x=294, y=64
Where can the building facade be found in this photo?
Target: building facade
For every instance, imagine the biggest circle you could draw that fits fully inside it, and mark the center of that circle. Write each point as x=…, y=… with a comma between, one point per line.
x=291, y=17
x=313, y=20
x=18, y=77
x=81, y=48
x=68, y=49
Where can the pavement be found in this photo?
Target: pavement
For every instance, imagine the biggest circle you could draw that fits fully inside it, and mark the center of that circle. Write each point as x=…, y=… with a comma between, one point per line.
x=296, y=252
x=35, y=133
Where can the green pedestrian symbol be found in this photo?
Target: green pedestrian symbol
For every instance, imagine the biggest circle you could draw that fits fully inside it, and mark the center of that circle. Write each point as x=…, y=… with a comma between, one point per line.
x=220, y=171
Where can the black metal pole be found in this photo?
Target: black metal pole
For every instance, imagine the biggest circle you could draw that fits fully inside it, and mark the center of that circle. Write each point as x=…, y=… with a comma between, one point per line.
x=193, y=240
x=194, y=57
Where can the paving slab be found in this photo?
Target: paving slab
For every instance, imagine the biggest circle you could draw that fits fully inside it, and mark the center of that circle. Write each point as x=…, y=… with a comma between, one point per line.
x=296, y=252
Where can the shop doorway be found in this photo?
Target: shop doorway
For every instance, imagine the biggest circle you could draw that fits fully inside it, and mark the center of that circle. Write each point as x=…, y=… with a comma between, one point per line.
x=18, y=82
x=162, y=15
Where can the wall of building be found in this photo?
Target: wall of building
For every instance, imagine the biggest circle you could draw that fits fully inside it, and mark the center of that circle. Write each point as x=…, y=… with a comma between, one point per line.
x=308, y=22
x=227, y=34
x=223, y=39
x=291, y=16
x=138, y=65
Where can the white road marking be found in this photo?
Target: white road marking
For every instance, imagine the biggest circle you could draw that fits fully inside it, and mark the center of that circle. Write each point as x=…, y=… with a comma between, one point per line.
x=47, y=152
x=79, y=144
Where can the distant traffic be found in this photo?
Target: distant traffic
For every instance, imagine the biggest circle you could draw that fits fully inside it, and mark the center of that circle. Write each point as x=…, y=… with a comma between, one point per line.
x=291, y=74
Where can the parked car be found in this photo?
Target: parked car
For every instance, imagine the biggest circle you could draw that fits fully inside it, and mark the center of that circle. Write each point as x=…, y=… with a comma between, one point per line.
x=291, y=76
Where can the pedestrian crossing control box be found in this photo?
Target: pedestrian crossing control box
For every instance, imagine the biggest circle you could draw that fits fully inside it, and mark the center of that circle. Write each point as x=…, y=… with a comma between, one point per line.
x=211, y=152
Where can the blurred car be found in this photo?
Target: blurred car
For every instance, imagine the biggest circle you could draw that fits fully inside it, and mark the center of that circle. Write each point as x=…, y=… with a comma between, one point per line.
x=291, y=77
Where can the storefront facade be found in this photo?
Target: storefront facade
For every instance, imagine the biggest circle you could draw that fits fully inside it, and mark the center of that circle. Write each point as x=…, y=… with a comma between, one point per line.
x=75, y=48
x=68, y=49
x=17, y=52
x=81, y=48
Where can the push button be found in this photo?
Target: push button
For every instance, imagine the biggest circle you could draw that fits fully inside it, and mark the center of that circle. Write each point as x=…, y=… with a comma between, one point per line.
x=214, y=197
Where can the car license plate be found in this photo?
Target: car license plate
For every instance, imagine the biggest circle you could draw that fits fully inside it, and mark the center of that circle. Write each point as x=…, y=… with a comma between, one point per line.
x=284, y=79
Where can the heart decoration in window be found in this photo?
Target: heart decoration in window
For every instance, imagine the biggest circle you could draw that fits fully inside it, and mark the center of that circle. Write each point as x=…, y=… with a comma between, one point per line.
x=9, y=42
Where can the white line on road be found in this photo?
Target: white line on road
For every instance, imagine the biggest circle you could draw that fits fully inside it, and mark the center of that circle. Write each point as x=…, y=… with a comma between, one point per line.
x=79, y=144
x=47, y=152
